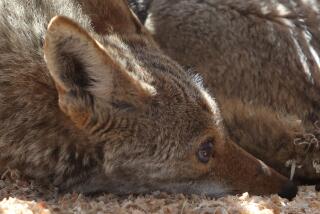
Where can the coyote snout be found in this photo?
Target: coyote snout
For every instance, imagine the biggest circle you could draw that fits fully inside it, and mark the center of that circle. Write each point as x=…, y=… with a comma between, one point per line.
x=111, y=112
x=246, y=172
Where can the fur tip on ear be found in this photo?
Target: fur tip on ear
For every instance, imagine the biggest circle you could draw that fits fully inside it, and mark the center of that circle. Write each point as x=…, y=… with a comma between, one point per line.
x=56, y=21
x=65, y=25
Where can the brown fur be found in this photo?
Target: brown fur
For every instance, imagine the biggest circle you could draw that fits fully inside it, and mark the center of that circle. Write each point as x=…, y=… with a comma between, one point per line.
x=110, y=112
x=259, y=58
x=103, y=10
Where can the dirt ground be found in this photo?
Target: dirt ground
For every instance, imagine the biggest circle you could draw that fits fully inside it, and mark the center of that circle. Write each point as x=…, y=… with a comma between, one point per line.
x=25, y=197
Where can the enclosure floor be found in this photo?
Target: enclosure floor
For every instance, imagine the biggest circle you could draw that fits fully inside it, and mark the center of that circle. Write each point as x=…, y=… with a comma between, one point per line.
x=20, y=196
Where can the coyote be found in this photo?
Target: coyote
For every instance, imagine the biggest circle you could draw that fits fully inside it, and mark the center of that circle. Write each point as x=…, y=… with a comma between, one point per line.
x=260, y=59
x=90, y=107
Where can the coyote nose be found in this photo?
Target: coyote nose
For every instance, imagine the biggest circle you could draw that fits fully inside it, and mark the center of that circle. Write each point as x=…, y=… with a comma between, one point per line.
x=289, y=190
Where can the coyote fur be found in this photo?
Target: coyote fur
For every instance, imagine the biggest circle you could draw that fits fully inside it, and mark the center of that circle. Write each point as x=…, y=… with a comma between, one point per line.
x=92, y=106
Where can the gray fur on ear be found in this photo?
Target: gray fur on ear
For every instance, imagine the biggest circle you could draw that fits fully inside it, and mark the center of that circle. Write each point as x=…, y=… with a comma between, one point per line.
x=75, y=60
x=84, y=72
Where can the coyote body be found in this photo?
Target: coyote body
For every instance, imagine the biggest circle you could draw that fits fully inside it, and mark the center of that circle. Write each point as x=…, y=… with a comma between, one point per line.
x=261, y=61
x=89, y=106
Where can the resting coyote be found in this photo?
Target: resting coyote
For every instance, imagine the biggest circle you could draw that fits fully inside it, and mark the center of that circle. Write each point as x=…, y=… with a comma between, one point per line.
x=102, y=109
x=260, y=59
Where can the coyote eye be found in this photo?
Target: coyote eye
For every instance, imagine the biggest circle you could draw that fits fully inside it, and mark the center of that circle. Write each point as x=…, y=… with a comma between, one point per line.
x=205, y=151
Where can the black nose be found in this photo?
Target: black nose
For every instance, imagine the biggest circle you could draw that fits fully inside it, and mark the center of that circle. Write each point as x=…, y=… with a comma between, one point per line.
x=318, y=187
x=289, y=191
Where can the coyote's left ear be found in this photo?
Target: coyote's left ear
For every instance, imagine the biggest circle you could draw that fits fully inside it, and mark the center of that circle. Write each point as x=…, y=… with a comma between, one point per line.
x=84, y=72
x=111, y=16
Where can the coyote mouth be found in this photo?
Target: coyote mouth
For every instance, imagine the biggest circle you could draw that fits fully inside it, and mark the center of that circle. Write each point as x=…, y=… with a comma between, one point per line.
x=204, y=187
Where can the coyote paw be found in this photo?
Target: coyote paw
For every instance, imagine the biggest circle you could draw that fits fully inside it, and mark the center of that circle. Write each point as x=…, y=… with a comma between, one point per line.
x=307, y=149
x=309, y=143
x=11, y=174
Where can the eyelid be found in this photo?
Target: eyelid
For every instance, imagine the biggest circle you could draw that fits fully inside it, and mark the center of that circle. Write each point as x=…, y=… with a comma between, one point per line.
x=207, y=144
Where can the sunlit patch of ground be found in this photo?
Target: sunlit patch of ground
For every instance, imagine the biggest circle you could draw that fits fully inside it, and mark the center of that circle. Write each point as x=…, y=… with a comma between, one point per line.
x=19, y=196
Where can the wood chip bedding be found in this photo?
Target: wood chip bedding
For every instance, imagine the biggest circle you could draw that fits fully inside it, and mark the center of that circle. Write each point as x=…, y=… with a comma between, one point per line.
x=25, y=197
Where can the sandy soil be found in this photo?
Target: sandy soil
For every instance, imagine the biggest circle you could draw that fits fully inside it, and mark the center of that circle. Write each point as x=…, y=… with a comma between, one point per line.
x=25, y=197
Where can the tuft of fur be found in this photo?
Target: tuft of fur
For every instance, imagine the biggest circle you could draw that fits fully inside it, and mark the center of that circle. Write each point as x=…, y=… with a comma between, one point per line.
x=140, y=7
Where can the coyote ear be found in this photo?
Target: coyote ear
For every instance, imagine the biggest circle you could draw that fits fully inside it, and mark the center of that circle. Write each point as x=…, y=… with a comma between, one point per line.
x=82, y=70
x=111, y=16
x=75, y=60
